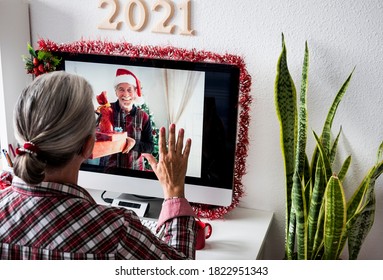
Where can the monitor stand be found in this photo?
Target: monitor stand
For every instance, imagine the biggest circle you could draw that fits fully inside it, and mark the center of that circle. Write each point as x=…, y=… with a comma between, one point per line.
x=149, y=207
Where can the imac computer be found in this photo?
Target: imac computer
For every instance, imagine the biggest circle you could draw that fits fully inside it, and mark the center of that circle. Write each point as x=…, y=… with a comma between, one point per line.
x=200, y=97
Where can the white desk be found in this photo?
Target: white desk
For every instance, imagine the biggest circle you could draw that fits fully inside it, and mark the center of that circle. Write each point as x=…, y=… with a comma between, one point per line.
x=239, y=235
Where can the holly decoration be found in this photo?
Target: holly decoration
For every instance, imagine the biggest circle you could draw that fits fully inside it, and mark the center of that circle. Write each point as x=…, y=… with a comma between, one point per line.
x=40, y=62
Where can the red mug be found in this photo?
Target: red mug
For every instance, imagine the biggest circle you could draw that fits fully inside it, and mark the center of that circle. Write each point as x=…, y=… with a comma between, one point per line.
x=204, y=231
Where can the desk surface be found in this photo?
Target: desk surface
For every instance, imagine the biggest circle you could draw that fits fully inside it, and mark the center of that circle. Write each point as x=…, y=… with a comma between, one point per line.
x=239, y=235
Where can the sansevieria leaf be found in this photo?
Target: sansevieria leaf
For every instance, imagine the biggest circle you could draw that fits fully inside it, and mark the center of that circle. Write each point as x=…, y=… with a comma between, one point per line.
x=326, y=132
x=362, y=219
x=298, y=195
x=335, y=218
x=285, y=103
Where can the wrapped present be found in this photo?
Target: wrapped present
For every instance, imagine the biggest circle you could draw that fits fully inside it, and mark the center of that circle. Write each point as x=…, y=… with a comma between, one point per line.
x=108, y=144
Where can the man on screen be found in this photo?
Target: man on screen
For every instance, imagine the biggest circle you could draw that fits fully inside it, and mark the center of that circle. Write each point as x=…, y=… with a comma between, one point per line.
x=133, y=120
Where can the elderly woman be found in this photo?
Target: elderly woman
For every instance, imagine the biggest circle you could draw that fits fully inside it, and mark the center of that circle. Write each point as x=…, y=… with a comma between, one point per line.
x=46, y=215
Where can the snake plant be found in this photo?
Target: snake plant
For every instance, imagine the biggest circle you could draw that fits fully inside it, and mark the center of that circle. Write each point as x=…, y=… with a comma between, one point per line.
x=319, y=220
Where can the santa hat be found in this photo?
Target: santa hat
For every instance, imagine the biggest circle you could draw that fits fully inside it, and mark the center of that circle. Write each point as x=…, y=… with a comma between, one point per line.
x=125, y=76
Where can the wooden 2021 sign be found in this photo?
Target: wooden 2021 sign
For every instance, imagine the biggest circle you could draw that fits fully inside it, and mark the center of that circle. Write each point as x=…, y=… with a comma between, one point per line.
x=136, y=15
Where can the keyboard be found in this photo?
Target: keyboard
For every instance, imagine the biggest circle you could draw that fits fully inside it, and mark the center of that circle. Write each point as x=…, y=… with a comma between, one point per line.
x=149, y=223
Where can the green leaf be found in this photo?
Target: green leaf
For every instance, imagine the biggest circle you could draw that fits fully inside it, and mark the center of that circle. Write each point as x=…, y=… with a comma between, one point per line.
x=379, y=157
x=43, y=55
x=359, y=227
x=31, y=50
x=335, y=218
x=323, y=173
x=285, y=103
x=27, y=59
x=306, y=176
x=355, y=203
x=344, y=168
x=334, y=147
x=324, y=158
x=298, y=197
x=290, y=238
x=55, y=61
x=314, y=210
x=326, y=132
x=298, y=206
x=361, y=222
x=318, y=244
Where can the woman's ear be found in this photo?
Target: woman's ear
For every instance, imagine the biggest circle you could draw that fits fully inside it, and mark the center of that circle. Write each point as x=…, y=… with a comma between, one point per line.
x=87, y=147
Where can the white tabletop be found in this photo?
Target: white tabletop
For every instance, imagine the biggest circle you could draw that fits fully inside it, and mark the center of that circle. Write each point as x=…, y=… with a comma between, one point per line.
x=239, y=235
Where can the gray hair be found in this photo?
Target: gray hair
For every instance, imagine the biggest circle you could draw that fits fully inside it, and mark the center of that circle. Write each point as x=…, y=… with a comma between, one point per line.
x=55, y=113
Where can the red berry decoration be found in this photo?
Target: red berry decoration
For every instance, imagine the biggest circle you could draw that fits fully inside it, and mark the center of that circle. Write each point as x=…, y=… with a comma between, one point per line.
x=40, y=61
x=41, y=68
x=36, y=71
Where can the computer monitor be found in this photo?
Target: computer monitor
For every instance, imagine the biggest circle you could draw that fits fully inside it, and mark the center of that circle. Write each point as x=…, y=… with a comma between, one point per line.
x=200, y=97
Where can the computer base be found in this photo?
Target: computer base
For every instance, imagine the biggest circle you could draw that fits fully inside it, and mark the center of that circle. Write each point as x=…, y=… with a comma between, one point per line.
x=149, y=207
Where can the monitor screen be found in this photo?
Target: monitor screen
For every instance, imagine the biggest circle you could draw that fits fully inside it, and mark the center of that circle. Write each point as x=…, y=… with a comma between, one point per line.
x=200, y=97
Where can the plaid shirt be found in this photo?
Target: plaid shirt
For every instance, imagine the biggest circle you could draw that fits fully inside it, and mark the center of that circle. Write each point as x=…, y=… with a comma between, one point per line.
x=61, y=221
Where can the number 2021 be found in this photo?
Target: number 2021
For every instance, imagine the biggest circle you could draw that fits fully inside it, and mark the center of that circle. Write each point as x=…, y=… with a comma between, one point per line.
x=139, y=22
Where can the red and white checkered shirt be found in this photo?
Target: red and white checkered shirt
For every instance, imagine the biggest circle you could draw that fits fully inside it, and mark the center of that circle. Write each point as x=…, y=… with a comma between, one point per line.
x=61, y=221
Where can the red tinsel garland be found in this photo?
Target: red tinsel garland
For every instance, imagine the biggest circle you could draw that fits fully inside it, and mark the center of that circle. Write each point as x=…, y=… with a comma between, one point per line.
x=193, y=55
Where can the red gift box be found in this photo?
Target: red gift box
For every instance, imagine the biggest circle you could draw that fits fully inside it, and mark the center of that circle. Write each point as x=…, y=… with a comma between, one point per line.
x=108, y=144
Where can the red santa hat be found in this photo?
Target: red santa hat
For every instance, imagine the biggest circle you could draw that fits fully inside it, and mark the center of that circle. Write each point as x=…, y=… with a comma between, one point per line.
x=125, y=76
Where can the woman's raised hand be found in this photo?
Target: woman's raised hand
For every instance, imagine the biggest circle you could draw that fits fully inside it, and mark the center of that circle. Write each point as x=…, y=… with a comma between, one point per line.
x=172, y=163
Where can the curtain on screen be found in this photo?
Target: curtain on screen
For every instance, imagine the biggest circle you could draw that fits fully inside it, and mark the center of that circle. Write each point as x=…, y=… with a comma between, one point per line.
x=179, y=88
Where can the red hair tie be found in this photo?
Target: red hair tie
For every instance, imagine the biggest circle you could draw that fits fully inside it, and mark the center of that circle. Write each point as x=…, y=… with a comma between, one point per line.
x=29, y=148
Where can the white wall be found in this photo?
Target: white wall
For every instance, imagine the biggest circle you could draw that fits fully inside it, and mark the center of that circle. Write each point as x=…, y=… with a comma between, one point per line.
x=340, y=35
x=14, y=36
